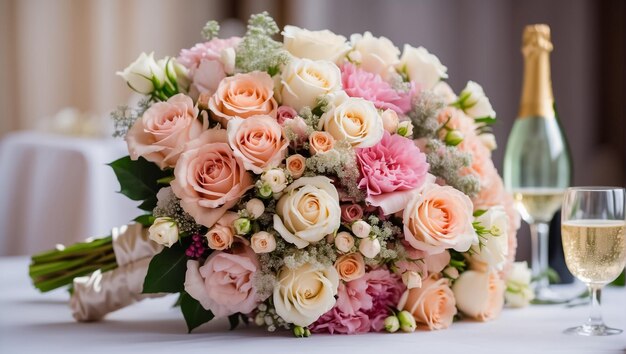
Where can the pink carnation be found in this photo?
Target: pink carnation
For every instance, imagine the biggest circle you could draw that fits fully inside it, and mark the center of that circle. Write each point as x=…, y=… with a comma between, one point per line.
x=391, y=170
x=211, y=50
x=362, y=304
x=360, y=83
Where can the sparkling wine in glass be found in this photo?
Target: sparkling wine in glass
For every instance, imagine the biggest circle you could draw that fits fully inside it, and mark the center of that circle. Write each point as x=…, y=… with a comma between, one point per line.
x=594, y=244
x=537, y=166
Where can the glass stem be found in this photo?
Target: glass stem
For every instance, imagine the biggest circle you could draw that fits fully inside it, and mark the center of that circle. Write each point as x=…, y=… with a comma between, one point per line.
x=595, y=317
x=539, y=250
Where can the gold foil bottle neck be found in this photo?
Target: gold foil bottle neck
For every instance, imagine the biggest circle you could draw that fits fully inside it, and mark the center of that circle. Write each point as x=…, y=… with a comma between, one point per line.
x=536, y=38
x=537, y=98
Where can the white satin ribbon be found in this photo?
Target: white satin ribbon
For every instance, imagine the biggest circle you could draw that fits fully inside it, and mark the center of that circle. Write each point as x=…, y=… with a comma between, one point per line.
x=100, y=293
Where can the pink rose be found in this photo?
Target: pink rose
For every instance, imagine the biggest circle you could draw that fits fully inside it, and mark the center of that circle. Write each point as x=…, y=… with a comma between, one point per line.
x=439, y=218
x=422, y=263
x=432, y=305
x=285, y=113
x=222, y=234
x=297, y=132
x=391, y=170
x=162, y=131
x=209, y=178
x=351, y=212
x=243, y=96
x=225, y=283
x=258, y=141
x=360, y=83
x=455, y=118
x=208, y=63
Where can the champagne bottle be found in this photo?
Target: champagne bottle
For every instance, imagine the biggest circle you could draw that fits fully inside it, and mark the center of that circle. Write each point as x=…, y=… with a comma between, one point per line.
x=537, y=166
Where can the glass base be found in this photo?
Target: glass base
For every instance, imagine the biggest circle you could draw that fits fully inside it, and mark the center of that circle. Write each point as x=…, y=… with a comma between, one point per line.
x=589, y=330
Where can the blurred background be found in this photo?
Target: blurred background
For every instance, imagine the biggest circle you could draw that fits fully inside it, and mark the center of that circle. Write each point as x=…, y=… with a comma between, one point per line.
x=60, y=54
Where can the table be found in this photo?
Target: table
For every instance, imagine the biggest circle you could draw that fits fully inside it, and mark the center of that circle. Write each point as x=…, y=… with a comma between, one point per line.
x=31, y=322
x=58, y=189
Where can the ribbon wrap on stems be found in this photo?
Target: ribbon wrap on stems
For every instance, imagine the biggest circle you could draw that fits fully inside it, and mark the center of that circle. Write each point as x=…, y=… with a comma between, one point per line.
x=100, y=293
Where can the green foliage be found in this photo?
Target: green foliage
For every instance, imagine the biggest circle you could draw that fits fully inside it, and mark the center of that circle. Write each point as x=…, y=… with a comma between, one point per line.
x=234, y=320
x=145, y=220
x=257, y=50
x=138, y=180
x=166, y=272
x=193, y=312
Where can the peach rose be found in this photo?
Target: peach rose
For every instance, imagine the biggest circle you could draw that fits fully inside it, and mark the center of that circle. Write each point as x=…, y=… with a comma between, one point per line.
x=162, y=131
x=209, y=178
x=439, y=218
x=350, y=266
x=320, y=142
x=263, y=242
x=296, y=165
x=258, y=141
x=479, y=295
x=454, y=118
x=225, y=283
x=243, y=96
x=222, y=234
x=432, y=305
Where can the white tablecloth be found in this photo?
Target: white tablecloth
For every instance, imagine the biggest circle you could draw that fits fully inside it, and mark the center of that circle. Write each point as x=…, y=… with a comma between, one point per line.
x=58, y=189
x=31, y=322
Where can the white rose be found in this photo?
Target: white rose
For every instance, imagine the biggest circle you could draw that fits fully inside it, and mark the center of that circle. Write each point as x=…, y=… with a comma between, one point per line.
x=144, y=75
x=421, y=66
x=390, y=121
x=411, y=279
x=479, y=295
x=302, y=295
x=255, y=207
x=227, y=58
x=344, y=242
x=488, y=140
x=308, y=211
x=175, y=73
x=370, y=248
x=314, y=45
x=518, y=291
x=304, y=80
x=495, y=244
x=376, y=55
x=262, y=242
x=474, y=101
x=443, y=90
x=361, y=229
x=164, y=231
x=353, y=119
x=275, y=179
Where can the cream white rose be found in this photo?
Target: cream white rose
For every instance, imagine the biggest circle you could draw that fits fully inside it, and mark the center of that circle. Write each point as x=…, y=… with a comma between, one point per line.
x=443, y=90
x=262, y=242
x=479, y=295
x=421, y=66
x=361, y=229
x=518, y=291
x=354, y=120
x=411, y=279
x=474, y=101
x=308, y=211
x=175, y=73
x=144, y=75
x=376, y=55
x=255, y=207
x=369, y=247
x=494, y=251
x=344, y=242
x=304, y=80
x=303, y=294
x=314, y=45
x=164, y=231
x=275, y=179
x=488, y=140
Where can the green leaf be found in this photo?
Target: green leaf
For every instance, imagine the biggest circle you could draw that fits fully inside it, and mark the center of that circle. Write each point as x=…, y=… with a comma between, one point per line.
x=621, y=280
x=486, y=120
x=138, y=179
x=195, y=315
x=148, y=204
x=234, y=321
x=479, y=212
x=145, y=220
x=166, y=272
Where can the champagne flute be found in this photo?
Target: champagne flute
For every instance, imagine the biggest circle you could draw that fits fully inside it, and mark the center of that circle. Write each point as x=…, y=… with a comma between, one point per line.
x=592, y=227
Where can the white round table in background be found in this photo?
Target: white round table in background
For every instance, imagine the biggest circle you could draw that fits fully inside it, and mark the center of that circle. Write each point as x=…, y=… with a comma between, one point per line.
x=58, y=189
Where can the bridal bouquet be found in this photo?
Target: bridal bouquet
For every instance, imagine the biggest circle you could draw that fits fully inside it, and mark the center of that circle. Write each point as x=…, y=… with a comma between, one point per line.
x=316, y=184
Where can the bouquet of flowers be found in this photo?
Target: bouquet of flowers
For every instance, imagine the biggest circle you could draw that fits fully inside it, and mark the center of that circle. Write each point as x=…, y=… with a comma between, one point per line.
x=315, y=184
